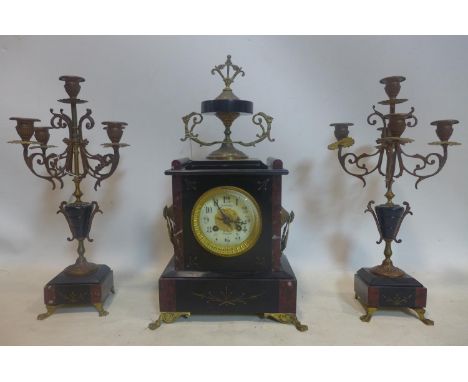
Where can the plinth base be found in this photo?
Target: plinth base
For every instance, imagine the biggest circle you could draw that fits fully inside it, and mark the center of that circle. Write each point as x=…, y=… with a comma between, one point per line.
x=268, y=294
x=65, y=290
x=377, y=292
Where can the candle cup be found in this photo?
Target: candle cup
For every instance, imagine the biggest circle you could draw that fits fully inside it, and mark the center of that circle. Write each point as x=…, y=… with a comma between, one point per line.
x=114, y=130
x=396, y=124
x=392, y=85
x=72, y=85
x=444, y=128
x=341, y=130
x=25, y=127
x=42, y=135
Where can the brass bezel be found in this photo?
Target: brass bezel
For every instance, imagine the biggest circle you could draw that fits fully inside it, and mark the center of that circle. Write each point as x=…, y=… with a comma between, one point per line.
x=218, y=250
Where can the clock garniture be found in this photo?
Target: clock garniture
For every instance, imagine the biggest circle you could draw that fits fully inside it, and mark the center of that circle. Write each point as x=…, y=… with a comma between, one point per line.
x=386, y=286
x=226, y=223
x=82, y=283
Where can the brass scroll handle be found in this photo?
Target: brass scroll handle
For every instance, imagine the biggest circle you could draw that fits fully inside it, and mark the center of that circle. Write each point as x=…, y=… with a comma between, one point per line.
x=286, y=220
x=262, y=120
x=168, y=214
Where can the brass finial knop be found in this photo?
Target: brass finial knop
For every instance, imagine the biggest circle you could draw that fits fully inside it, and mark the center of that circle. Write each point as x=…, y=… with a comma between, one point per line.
x=228, y=80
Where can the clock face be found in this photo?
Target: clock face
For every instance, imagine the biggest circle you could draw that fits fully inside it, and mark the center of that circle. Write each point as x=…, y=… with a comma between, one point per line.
x=226, y=221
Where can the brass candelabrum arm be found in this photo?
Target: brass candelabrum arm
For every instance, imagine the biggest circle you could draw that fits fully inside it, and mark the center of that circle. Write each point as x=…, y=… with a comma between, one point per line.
x=107, y=161
x=61, y=121
x=50, y=163
x=430, y=160
x=353, y=159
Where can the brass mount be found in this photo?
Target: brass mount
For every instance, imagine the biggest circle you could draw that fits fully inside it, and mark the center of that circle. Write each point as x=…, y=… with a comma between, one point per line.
x=227, y=107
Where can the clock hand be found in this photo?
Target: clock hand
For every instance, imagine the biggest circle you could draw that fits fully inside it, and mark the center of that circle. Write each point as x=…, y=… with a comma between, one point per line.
x=226, y=219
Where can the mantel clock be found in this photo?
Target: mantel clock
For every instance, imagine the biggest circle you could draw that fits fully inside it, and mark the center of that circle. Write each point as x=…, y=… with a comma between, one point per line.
x=227, y=225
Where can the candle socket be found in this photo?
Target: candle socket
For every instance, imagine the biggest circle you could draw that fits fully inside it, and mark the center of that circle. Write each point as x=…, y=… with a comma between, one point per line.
x=25, y=127
x=341, y=130
x=114, y=130
x=444, y=128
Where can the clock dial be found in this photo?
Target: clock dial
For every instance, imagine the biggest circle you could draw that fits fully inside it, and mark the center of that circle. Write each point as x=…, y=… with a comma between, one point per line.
x=226, y=221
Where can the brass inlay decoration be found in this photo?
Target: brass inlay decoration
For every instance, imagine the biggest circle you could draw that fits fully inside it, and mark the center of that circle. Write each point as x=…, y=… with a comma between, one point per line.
x=286, y=318
x=222, y=250
x=167, y=318
x=226, y=298
x=397, y=300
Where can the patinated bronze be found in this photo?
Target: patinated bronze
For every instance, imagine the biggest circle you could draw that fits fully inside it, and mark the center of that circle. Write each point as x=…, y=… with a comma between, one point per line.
x=391, y=164
x=77, y=162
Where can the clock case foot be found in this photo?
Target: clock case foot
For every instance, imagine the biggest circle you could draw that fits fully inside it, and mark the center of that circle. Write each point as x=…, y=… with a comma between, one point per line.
x=65, y=290
x=274, y=292
x=376, y=292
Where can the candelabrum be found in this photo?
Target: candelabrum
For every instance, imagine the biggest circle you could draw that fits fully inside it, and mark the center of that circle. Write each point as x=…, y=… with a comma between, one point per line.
x=227, y=107
x=75, y=161
x=392, y=163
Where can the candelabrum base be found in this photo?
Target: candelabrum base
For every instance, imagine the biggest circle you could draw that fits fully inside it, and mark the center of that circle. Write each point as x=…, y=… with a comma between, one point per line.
x=81, y=269
x=376, y=292
x=65, y=290
x=387, y=270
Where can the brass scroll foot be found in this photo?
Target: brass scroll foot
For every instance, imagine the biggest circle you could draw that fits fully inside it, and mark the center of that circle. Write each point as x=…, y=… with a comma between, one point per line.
x=286, y=318
x=421, y=312
x=167, y=318
x=100, y=309
x=369, y=312
x=50, y=311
